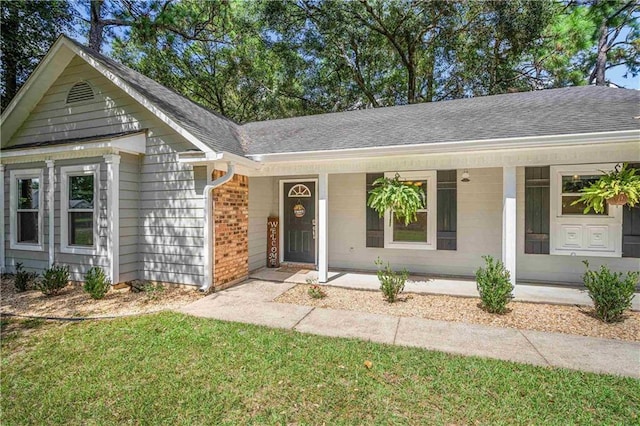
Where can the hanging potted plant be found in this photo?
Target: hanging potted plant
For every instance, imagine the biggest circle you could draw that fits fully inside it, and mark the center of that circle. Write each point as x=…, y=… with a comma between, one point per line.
x=402, y=198
x=619, y=187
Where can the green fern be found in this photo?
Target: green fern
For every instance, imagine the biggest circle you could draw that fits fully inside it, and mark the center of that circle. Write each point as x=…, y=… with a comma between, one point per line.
x=403, y=199
x=624, y=181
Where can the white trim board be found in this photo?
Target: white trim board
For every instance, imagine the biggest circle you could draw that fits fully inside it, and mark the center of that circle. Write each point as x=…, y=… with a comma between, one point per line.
x=14, y=175
x=582, y=235
x=65, y=173
x=432, y=212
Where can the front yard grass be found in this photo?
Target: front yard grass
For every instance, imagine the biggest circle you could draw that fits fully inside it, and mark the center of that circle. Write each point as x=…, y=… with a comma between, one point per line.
x=170, y=368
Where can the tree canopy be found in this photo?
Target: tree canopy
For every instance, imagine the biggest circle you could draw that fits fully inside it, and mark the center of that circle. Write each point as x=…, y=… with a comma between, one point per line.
x=280, y=58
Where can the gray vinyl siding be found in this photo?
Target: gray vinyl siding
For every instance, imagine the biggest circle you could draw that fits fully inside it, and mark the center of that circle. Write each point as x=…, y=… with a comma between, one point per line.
x=32, y=260
x=161, y=207
x=79, y=264
x=54, y=119
x=129, y=216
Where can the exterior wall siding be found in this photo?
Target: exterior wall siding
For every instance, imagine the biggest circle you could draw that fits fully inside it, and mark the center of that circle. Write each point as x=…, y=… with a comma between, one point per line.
x=53, y=119
x=261, y=206
x=129, y=216
x=161, y=207
x=479, y=216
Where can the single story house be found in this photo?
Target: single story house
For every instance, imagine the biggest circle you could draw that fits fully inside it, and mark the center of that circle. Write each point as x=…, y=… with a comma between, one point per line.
x=104, y=166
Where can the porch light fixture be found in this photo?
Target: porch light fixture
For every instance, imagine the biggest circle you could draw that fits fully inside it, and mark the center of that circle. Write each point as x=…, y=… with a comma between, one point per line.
x=465, y=176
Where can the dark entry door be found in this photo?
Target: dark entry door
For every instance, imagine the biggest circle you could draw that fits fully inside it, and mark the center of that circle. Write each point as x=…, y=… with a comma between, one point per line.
x=299, y=222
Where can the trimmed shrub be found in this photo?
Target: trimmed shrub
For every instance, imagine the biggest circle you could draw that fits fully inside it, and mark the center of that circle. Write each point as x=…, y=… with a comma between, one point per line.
x=391, y=282
x=494, y=286
x=23, y=279
x=53, y=280
x=611, y=295
x=96, y=283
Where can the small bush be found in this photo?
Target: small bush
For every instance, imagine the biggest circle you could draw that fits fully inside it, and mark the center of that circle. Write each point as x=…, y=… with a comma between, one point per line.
x=23, y=279
x=611, y=295
x=53, y=280
x=96, y=283
x=494, y=286
x=391, y=282
x=316, y=292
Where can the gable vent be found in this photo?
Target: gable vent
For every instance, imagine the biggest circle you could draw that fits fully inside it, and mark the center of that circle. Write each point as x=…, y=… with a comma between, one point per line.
x=80, y=92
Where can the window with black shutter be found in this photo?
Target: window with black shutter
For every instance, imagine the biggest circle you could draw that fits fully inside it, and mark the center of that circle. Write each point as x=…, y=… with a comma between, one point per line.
x=536, y=210
x=375, y=223
x=631, y=227
x=447, y=209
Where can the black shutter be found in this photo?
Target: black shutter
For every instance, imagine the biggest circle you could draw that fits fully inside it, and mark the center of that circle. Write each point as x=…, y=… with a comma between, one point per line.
x=536, y=210
x=375, y=223
x=631, y=227
x=447, y=209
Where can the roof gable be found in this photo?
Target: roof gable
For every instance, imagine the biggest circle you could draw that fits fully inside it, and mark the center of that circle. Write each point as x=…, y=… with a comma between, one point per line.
x=203, y=128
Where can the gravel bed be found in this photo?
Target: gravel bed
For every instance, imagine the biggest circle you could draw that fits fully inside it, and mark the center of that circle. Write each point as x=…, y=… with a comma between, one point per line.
x=577, y=320
x=74, y=302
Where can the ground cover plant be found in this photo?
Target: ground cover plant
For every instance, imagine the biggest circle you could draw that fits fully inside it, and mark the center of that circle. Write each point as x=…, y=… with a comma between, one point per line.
x=391, y=282
x=174, y=369
x=23, y=280
x=53, y=280
x=96, y=283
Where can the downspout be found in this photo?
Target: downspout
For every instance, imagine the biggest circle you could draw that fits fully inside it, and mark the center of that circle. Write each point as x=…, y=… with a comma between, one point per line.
x=209, y=242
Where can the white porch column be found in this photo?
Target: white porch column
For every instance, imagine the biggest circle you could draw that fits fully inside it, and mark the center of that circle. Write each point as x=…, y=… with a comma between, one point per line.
x=509, y=220
x=50, y=204
x=113, y=215
x=4, y=209
x=323, y=227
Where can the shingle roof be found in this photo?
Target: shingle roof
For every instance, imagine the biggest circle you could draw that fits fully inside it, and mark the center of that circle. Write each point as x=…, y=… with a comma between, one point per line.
x=212, y=129
x=571, y=110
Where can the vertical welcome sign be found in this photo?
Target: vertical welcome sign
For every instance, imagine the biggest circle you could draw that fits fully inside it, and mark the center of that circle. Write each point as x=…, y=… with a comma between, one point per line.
x=273, y=242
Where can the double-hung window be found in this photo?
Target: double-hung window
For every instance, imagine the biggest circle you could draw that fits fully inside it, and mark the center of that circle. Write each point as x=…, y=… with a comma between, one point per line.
x=421, y=234
x=26, y=198
x=571, y=231
x=79, y=212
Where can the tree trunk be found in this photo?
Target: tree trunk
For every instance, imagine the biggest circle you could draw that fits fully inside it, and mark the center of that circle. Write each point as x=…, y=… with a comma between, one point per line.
x=96, y=30
x=10, y=63
x=601, y=59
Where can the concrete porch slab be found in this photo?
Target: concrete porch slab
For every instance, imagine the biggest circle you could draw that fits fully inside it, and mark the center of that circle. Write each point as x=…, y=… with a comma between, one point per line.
x=339, y=323
x=524, y=292
x=467, y=339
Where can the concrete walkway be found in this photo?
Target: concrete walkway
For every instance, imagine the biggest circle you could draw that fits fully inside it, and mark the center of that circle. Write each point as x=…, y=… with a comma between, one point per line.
x=252, y=302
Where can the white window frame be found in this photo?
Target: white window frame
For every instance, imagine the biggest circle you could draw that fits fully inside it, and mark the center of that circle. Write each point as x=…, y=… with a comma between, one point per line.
x=14, y=175
x=65, y=173
x=432, y=211
x=582, y=225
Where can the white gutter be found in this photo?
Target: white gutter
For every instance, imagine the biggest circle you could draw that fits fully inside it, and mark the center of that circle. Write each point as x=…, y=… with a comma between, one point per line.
x=209, y=243
x=51, y=205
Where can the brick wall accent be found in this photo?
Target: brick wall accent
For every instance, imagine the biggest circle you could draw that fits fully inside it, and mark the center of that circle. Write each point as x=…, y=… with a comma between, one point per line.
x=231, y=219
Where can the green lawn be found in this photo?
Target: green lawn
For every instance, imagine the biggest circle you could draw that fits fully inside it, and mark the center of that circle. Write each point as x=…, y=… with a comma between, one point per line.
x=174, y=369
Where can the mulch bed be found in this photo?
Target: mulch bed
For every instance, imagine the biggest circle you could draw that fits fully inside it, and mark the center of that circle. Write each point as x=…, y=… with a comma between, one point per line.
x=576, y=320
x=74, y=302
